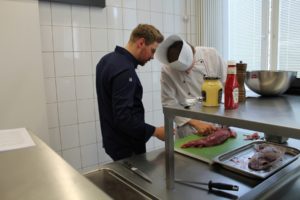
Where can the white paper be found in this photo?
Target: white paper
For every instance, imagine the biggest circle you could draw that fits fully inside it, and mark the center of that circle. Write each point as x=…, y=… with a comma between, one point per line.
x=15, y=139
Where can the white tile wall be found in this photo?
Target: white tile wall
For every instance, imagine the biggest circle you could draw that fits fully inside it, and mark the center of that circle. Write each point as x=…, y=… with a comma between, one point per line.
x=62, y=38
x=156, y=101
x=168, y=6
x=73, y=157
x=45, y=14
x=180, y=7
x=146, y=80
x=117, y=3
x=50, y=87
x=157, y=19
x=168, y=23
x=98, y=17
x=147, y=101
x=96, y=56
x=63, y=64
x=99, y=38
x=130, y=4
x=67, y=112
x=130, y=18
x=47, y=42
x=80, y=16
x=61, y=14
x=83, y=63
x=86, y=110
x=48, y=64
x=114, y=17
x=156, y=5
x=126, y=36
x=87, y=133
x=74, y=38
x=52, y=115
x=89, y=155
x=143, y=4
x=54, y=138
x=84, y=87
x=82, y=39
x=156, y=81
x=69, y=136
x=143, y=16
x=65, y=88
x=146, y=68
x=115, y=37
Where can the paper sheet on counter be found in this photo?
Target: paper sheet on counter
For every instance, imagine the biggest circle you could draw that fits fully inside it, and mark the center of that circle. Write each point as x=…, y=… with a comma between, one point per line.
x=15, y=139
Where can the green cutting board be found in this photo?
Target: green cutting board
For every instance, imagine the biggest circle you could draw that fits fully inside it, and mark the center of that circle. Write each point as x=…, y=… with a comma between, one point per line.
x=207, y=154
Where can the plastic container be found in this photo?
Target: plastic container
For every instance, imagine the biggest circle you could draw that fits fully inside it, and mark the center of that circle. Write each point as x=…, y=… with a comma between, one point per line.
x=231, y=92
x=211, y=91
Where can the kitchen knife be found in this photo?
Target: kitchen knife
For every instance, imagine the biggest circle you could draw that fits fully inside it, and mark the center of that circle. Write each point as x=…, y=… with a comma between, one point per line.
x=135, y=170
x=211, y=185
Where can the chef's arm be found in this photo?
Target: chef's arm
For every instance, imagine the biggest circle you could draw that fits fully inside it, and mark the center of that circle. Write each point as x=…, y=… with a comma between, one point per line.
x=168, y=96
x=222, y=67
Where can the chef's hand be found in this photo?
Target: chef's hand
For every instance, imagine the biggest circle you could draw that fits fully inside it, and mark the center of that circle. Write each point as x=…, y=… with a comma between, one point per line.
x=203, y=128
x=160, y=133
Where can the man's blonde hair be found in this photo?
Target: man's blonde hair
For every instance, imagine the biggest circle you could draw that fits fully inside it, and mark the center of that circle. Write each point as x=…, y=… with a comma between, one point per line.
x=148, y=32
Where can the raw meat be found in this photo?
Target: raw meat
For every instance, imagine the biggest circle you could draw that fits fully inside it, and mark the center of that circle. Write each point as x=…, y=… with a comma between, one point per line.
x=265, y=157
x=253, y=136
x=218, y=137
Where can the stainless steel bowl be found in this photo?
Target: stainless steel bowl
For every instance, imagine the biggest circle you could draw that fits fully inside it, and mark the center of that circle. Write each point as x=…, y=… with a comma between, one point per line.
x=269, y=83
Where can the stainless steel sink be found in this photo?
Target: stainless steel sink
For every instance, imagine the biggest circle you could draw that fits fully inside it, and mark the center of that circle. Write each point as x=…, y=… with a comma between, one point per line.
x=117, y=186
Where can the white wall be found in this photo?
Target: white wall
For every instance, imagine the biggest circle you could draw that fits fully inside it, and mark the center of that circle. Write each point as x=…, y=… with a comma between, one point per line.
x=22, y=100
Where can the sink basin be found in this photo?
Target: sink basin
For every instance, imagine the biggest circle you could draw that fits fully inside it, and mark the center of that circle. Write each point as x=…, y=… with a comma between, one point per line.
x=117, y=186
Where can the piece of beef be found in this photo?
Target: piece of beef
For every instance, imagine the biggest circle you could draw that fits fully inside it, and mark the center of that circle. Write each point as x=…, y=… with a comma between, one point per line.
x=218, y=137
x=265, y=157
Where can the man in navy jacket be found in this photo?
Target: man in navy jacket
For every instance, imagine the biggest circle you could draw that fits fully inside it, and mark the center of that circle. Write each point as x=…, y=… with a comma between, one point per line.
x=119, y=91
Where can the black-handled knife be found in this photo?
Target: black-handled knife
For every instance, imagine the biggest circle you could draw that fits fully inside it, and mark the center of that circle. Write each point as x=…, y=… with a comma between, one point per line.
x=222, y=186
x=211, y=185
x=135, y=170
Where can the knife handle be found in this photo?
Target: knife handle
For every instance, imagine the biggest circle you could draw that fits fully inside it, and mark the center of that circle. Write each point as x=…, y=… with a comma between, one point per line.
x=127, y=164
x=222, y=186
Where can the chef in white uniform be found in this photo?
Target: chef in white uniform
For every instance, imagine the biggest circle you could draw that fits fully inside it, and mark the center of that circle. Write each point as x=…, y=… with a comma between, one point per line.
x=182, y=77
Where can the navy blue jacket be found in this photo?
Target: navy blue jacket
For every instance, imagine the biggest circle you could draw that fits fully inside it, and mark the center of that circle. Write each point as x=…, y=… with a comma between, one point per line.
x=122, y=115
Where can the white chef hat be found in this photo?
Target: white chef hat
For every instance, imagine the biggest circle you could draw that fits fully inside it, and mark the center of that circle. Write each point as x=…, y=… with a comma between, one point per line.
x=185, y=58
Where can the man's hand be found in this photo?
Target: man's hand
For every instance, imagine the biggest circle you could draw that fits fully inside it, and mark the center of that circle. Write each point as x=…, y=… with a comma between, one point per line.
x=160, y=133
x=203, y=128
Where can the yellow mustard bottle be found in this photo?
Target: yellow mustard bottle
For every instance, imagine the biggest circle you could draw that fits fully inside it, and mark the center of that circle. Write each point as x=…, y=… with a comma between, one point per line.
x=211, y=91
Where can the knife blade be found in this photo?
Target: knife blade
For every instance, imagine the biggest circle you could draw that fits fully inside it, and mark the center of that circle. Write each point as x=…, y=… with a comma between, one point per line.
x=137, y=171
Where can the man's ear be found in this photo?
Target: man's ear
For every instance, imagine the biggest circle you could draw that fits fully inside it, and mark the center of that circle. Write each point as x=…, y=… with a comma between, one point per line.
x=140, y=42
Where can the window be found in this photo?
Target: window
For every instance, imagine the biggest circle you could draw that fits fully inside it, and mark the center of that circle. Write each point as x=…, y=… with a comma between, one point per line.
x=265, y=34
x=262, y=33
x=289, y=39
x=245, y=32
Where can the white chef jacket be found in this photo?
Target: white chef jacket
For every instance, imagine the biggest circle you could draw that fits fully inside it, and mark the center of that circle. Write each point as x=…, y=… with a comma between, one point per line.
x=176, y=85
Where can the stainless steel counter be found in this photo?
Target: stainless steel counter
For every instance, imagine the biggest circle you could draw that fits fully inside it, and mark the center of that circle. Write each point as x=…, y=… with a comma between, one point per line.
x=273, y=115
x=38, y=173
x=153, y=164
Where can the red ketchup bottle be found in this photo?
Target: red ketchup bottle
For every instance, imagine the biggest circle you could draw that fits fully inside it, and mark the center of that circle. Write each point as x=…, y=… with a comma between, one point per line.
x=231, y=87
